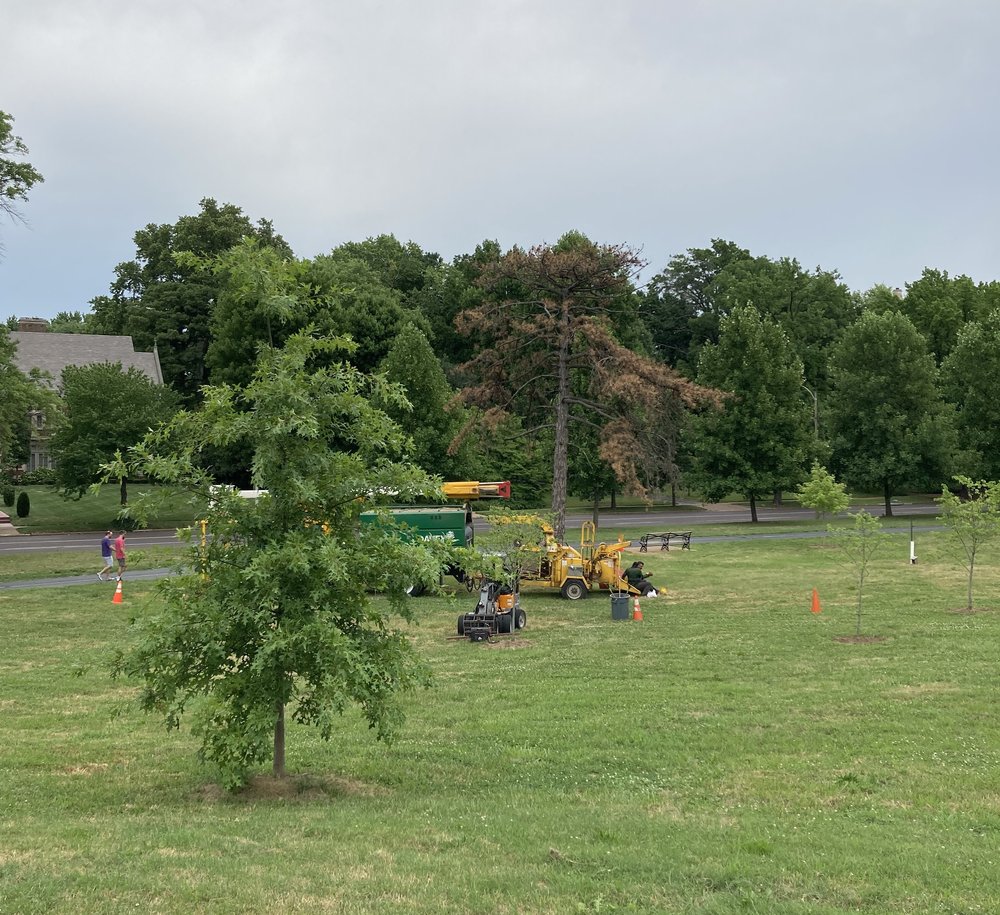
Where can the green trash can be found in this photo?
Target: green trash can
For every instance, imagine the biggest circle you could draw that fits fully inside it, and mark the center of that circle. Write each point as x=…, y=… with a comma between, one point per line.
x=619, y=605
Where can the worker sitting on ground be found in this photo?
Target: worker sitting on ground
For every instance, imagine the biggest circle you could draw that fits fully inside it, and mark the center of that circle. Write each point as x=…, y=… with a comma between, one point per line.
x=639, y=580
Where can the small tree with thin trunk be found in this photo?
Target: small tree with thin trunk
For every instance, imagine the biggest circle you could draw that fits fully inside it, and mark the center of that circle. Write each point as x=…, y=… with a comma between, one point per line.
x=822, y=493
x=857, y=546
x=278, y=614
x=972, y=522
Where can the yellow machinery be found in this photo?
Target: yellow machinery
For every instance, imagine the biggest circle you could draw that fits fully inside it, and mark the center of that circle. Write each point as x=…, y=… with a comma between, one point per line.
x=575, y=573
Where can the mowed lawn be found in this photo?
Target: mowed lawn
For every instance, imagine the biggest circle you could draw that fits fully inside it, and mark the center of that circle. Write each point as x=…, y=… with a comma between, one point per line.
x=727, y=755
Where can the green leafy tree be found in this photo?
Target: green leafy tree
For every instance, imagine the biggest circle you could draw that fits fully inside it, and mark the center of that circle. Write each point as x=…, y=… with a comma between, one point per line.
x=398, y=266
x=758, y=442
x=857, y=546
x=71, y=322
x=680, y=306
x=939, y=306
x=431, y=419
x=447, y=291
x=23, y=398
x=812, y=308
x=106, y=409
x=265, y=297
x=969, y=376
x=353, y=300
x=822, y=493
x=17, y=177
x=166, y=301
x=549, y=320
x=890, y=427
x=508, y=546
x=972, y=520
x=278, y=615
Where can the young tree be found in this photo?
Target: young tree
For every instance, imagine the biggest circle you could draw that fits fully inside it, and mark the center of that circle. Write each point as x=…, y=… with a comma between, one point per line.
x=105, y=409
x=277, y=613
x=889, y=425
x=822, y=493
x=858, y=545
x=758, y=442
x=550, y=314
x=972, y=521
x=16, y=177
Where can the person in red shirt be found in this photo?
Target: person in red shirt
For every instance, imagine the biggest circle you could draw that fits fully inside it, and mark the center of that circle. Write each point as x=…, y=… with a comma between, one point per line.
x=120, y=554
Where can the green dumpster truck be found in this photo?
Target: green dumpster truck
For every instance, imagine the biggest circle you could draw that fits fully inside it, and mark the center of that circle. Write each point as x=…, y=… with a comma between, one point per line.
x=450, y=523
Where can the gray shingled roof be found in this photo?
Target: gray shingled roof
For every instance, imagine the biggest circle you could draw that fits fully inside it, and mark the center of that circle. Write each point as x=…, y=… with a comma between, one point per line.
x=53, y=352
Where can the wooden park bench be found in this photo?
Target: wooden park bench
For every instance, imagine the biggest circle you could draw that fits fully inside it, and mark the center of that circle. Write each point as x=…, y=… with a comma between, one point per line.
x=665, y=540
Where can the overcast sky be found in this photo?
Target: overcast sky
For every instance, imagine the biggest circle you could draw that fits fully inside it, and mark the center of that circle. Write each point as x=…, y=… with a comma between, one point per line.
x=857, y=135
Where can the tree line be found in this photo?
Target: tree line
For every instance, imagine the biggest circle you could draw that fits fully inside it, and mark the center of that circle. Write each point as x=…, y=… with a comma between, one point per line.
x=557, y=368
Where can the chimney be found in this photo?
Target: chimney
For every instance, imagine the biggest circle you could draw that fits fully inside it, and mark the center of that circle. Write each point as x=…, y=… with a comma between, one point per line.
x=33, y=325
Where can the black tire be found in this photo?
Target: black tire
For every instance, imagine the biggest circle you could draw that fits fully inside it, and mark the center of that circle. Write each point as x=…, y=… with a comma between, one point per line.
x=520, y=618
x=417, y=589
x=574, y=589
x=505, y=623
x=461, y=625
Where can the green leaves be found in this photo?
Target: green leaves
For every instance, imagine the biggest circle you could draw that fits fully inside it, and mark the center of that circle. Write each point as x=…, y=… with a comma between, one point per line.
x=279, y=612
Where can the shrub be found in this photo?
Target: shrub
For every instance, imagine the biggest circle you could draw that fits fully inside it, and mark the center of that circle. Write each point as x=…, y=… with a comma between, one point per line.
x=44, y=476
x=8, y=496
x=23, y=505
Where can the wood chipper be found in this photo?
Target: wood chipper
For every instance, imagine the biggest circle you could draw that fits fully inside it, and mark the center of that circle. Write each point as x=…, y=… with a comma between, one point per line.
x=498, y=611
x=575, y=573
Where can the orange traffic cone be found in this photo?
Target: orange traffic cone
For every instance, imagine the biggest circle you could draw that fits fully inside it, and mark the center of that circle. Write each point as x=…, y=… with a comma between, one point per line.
x=815, y=603
x=117, y=599
x=636, y=611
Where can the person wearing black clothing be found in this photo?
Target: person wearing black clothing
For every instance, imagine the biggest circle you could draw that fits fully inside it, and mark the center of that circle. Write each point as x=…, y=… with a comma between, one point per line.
x=638, y=579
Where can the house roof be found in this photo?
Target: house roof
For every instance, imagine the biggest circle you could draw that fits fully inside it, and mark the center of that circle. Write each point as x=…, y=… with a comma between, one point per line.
x=51, y=353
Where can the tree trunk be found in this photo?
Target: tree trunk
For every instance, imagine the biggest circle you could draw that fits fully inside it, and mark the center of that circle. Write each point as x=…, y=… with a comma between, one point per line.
x=887, y=493
x=777, y=498
x=561, y=453
x=597, y=509
x=753, y=509
x=673, y=495
x=124, y=491
x=972, y=565
x=278, y=769
x=614, y=497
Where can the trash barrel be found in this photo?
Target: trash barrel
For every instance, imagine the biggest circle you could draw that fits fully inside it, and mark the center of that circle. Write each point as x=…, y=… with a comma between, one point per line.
x=619, y=605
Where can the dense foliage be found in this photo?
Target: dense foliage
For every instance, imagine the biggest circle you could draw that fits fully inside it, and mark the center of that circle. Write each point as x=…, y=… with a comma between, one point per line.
x=275, y=609
x=574, y=378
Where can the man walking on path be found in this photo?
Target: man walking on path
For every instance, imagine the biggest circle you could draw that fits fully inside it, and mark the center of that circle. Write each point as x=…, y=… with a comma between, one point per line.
x=106, y=557
x=120, y=554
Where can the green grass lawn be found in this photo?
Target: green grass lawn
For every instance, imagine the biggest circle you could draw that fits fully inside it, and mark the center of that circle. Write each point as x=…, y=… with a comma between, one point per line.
x=51, y=512
x=730, y=754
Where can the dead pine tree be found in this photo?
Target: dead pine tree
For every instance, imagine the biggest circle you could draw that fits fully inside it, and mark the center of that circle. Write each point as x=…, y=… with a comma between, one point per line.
x=547, y=351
